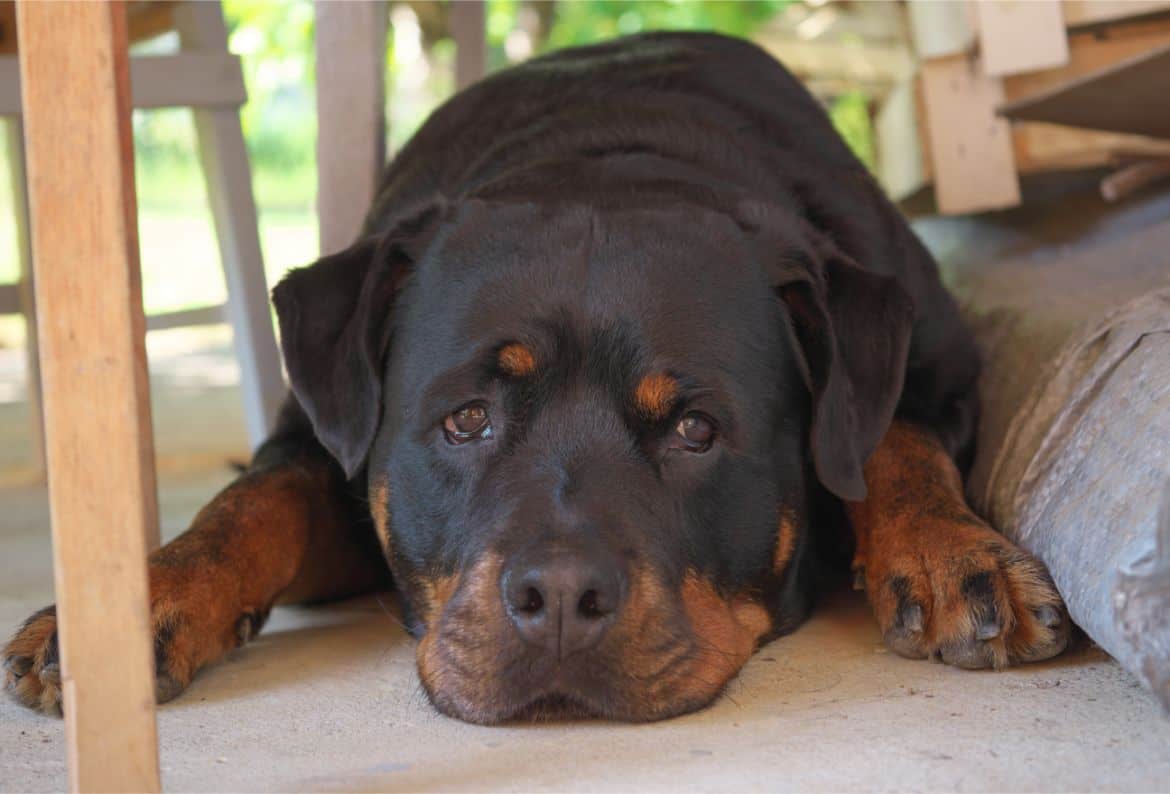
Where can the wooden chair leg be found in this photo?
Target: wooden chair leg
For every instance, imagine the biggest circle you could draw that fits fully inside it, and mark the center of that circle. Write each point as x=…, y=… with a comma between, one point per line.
x=14, y=138
x=350, y=41
x=469, y=29
x=229, y=188
x=76, y=101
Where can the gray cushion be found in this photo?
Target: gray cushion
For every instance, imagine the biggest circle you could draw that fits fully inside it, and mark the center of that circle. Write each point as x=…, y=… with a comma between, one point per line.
x=1073, y=458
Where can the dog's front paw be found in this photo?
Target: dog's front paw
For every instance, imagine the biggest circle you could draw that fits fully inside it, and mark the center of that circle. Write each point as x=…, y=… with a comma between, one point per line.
x=183, y=642
x=956, y=591
x=32, y=665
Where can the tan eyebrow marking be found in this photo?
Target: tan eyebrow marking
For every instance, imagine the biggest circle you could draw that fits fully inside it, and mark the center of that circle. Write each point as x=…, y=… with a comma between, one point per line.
x=785, y=540
x=655, y=395
x=517, y=360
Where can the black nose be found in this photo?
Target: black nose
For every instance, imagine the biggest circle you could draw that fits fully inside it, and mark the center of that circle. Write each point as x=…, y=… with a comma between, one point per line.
x=562, y=602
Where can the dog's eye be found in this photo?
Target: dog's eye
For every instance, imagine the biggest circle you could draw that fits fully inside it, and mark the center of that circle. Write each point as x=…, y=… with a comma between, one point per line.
x=695, y=432
x=469, y=423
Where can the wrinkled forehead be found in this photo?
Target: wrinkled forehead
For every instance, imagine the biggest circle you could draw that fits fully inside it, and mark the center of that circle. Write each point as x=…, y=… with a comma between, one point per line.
x=681, y=282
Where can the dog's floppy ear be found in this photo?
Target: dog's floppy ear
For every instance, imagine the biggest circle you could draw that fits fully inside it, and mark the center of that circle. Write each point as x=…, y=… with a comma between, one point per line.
x=335, y=330
x=852, y=329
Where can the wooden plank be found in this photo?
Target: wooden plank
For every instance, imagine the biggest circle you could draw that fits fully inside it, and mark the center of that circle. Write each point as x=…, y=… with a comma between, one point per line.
x=233, y=209
x=10, y=299
x=1134, y=177
x=7, y=26
x=96, y=396
x=941, y=29
x=1086, y=13
x=1041, y=147
x=146, y=19
x=971, y=148
x=1090, y=52
x=205, y=315
x=1021, y=35
x=899, y=142
x=1131, y=97
x=194, y=80
x=469, y=30
x=351, y=112
x=14, y=138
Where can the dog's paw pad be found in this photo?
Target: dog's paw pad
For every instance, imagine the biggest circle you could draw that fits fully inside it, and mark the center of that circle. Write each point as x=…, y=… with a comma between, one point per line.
x=32, y=670
x=972, y=600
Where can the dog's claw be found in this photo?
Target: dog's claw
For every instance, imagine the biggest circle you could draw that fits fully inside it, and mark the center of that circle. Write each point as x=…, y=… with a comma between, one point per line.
x=1048, y=616
x=911, y=618
x=18, y=665
x=988, y=630
x=51, y=675
x=859, y=578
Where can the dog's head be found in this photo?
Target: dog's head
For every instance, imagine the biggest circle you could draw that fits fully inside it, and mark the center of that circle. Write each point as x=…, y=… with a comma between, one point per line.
x=590, y=435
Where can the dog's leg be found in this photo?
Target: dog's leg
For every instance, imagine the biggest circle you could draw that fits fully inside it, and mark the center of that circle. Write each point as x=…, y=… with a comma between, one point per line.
x=942, y=583
x=286, y=530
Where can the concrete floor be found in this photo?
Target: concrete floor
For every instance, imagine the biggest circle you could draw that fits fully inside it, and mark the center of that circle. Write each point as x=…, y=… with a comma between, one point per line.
x=328, y=698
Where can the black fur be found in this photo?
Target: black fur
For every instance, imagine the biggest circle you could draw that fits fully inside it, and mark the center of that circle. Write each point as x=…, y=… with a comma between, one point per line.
x=667, y=202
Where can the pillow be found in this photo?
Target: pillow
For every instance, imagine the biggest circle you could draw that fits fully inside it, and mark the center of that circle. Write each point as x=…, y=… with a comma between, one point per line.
x=1073, y=452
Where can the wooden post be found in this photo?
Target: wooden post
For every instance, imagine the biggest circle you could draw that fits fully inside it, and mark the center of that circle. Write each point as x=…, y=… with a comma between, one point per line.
x=351, y=111
x=76, y=98
x=469, y=29
x=28, y=304
x=1021, y=36
x=970, y=146
x=237, y=230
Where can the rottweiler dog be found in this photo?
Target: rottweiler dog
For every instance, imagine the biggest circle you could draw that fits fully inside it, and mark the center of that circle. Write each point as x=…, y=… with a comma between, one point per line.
x=631, y=355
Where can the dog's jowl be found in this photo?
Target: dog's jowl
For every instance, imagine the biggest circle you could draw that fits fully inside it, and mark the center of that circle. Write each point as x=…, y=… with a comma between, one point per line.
x=630, y=352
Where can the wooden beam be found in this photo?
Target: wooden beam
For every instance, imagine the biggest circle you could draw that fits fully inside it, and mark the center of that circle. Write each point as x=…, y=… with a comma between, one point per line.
x=971, y=147
x=186, y=318
x=1090, y=13
x=97, y=402
x=26, y=298
x=187, y=79
x=351, y=112
x=1021, y=36
x=224, y=157
x=469, y=29
x=1130, y=97
x=941, y=29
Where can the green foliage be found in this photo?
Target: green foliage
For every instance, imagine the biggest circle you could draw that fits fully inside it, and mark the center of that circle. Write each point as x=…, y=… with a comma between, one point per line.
x=850, y=116
x=274, y=39
x=275, y=43
x=586, y=21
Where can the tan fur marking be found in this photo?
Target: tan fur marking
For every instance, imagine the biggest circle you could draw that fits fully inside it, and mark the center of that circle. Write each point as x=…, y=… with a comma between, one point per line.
x=380, y=510
x=517, y=360
x=439, y=662
x=785, y=541
x=655, y=395
x=436, y=593
x=726, y=631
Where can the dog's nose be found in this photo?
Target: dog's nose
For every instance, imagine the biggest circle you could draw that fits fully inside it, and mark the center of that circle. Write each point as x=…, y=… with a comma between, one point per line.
x=563, y=602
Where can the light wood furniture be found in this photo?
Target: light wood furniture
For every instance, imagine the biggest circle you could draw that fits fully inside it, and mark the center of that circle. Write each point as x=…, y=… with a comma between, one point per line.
x=350, y=42
x=351, y=58
x=204, y=76
x=1041, y=64
x=76, y=114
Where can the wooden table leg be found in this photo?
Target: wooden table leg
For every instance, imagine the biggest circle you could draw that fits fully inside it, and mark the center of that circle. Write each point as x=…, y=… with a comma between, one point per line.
x=469, y=29
x=350, y=41
x=76, y=107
